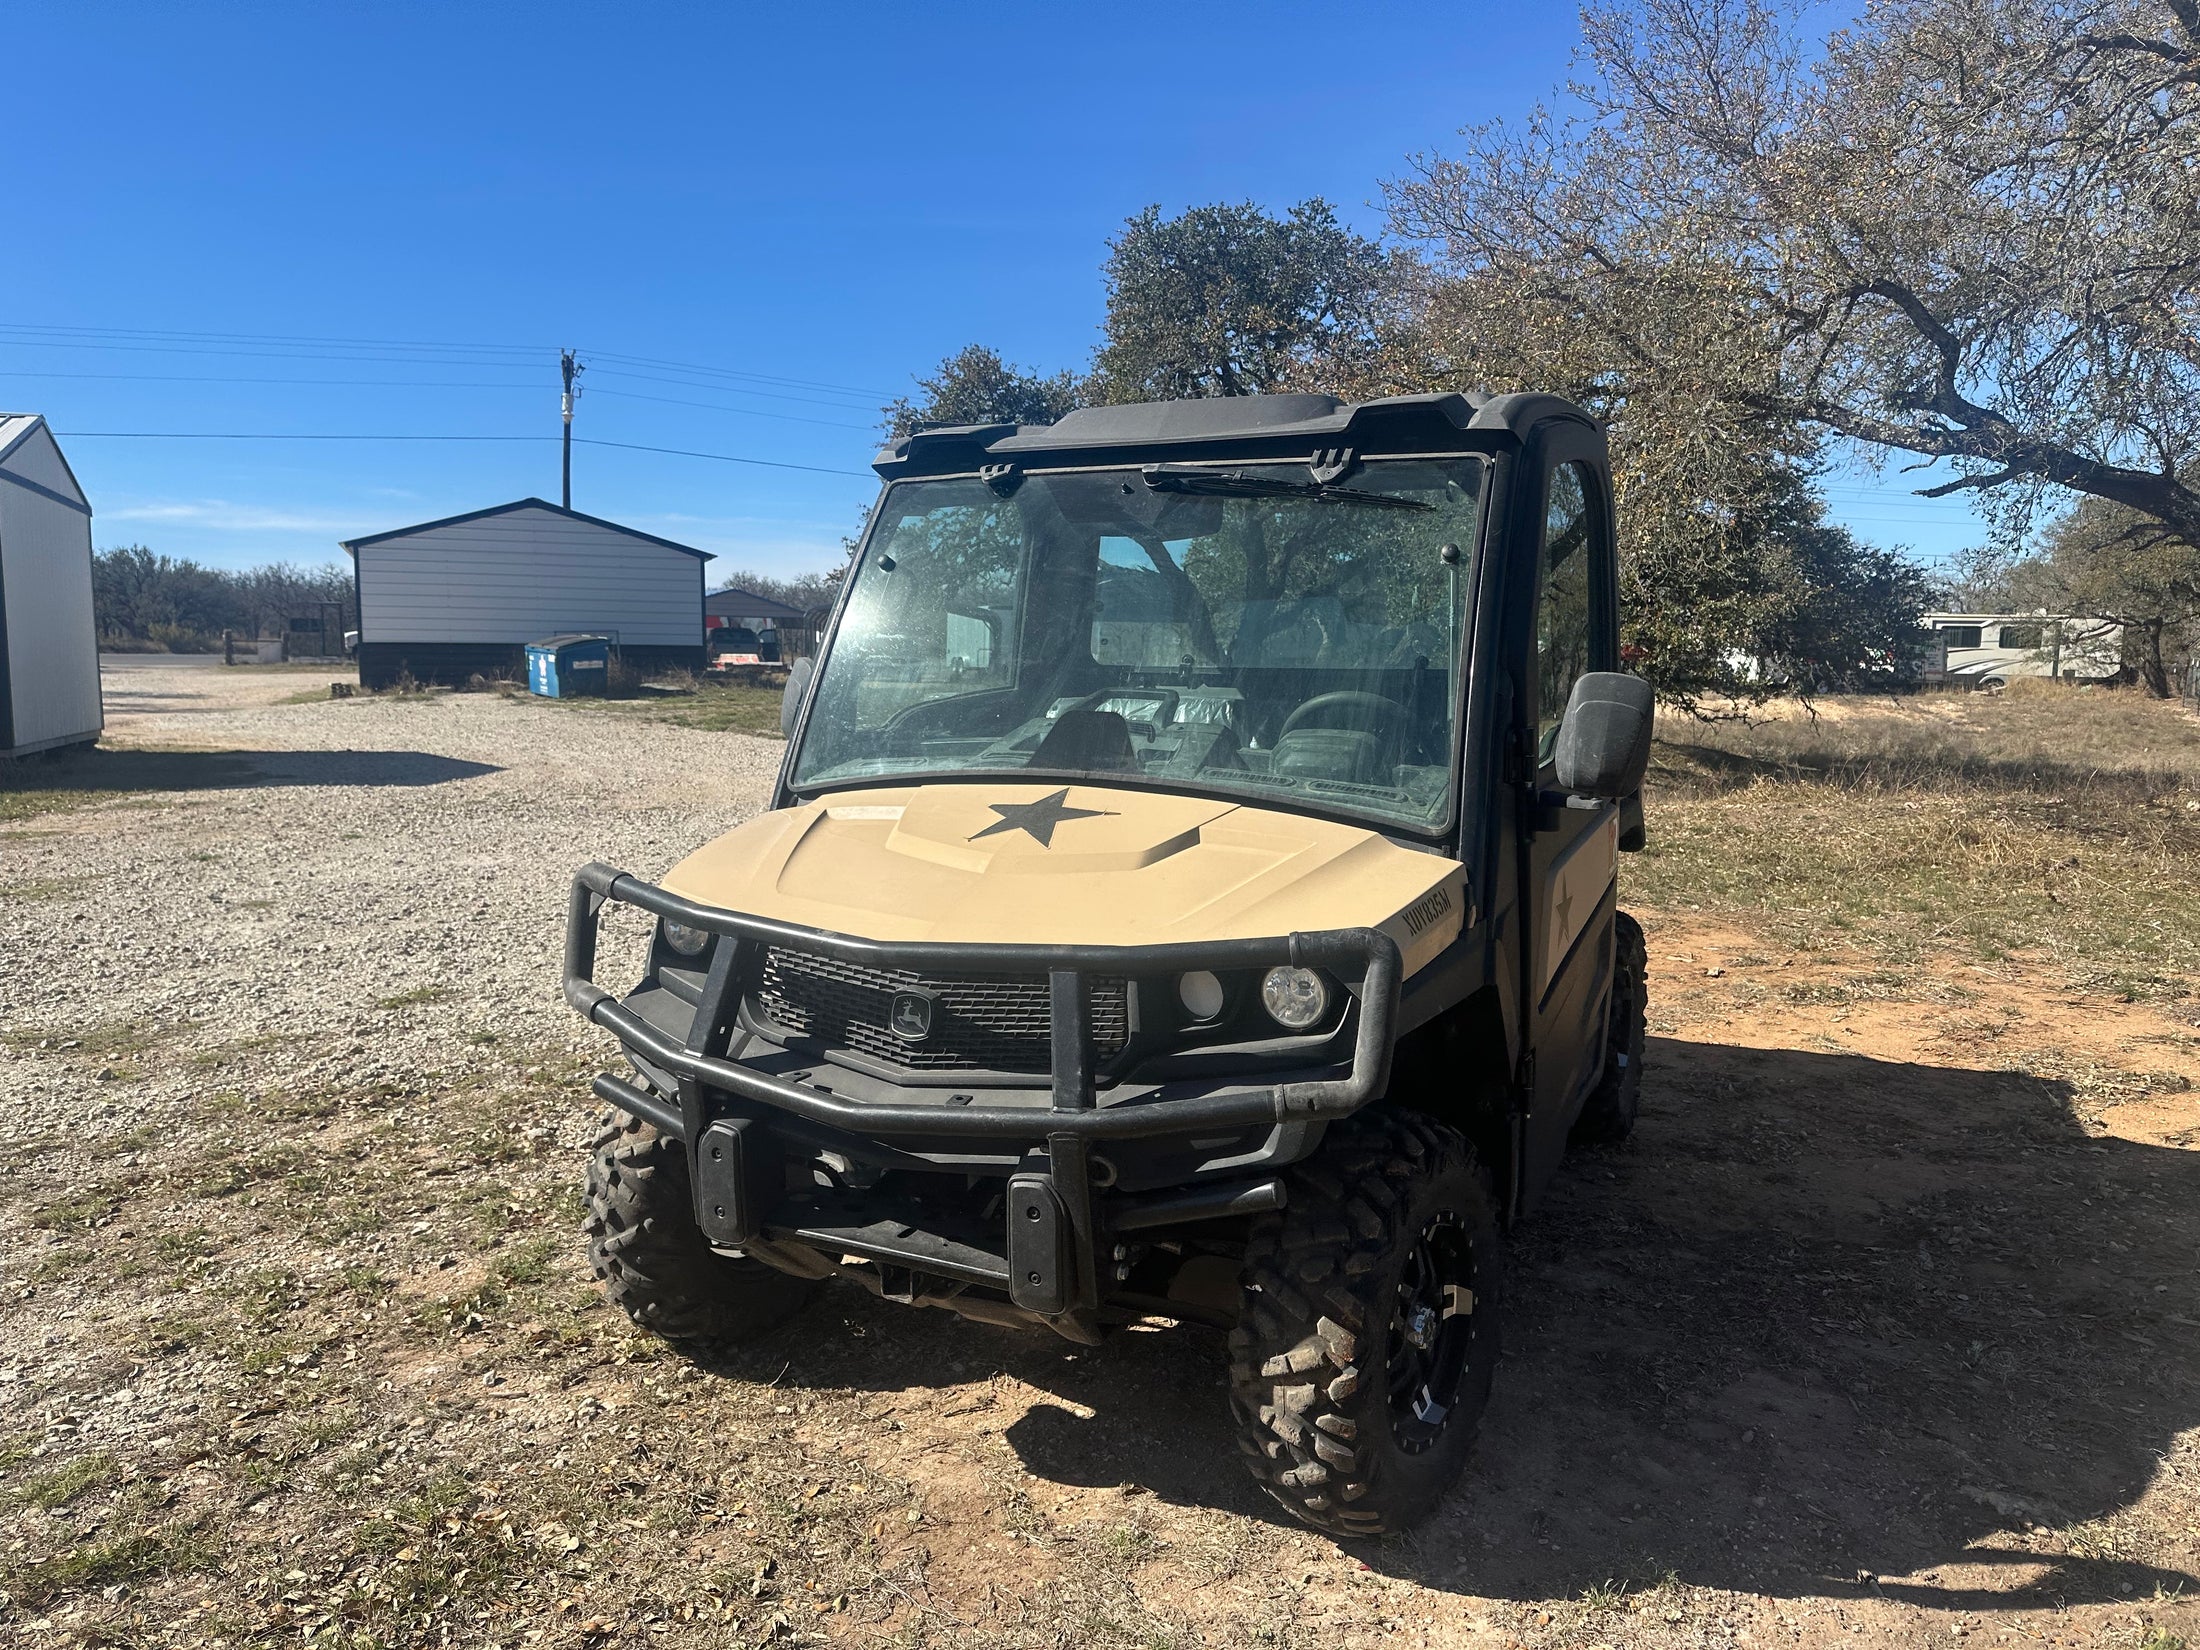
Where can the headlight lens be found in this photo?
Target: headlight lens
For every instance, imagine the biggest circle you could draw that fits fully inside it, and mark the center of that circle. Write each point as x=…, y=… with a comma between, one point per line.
x=689, y=942
x=1294, y=997
x=1200, y=993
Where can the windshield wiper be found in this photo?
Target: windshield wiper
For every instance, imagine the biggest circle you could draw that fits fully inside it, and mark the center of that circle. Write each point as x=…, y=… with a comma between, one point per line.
x=1170, y=478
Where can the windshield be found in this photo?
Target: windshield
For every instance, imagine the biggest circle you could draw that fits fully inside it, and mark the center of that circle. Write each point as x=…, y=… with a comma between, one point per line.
x=1230, y=628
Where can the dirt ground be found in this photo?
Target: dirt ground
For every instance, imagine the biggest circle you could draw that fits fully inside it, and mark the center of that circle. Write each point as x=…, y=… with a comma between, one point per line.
x=1884, y=1329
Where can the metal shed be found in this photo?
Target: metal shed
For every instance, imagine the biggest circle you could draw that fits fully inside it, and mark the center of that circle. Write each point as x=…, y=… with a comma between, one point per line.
x=734, y=606
x=49, y=637
x=463, y=596
x=735, y=609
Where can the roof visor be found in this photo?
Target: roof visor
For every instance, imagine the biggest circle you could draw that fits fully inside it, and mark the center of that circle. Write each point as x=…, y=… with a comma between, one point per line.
x=1246, y=426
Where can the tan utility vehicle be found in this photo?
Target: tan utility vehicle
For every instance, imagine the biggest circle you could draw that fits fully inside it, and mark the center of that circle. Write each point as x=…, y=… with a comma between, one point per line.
x=1189, y=893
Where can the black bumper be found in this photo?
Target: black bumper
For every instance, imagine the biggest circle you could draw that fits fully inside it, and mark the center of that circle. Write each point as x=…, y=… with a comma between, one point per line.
x=1364, y=959
x=730, y=1115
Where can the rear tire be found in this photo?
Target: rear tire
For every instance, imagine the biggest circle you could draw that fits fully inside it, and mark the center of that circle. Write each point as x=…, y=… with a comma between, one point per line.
x=1367, y=1326
x=653, y=1259
x=1609, y=1112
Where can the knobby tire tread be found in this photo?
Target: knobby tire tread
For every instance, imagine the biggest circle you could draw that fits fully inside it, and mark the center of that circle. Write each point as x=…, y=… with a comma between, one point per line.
x=1310, y=1340
x=653, y=1260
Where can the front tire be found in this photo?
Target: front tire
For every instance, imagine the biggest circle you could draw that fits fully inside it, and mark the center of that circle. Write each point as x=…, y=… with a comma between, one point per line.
x=653, y=1260
x=1367, y=1327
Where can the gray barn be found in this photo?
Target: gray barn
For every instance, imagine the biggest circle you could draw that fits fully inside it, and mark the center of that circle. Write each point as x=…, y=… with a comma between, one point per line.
x=465, y=595
x=49, y=636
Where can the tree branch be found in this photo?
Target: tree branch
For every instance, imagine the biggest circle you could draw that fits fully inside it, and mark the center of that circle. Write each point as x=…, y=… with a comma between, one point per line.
x=1970, y=483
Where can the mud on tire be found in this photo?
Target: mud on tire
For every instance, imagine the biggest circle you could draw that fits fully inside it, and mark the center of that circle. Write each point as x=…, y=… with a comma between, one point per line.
x=653, y=1259
x=1354, y=1409
x=1609, y=1112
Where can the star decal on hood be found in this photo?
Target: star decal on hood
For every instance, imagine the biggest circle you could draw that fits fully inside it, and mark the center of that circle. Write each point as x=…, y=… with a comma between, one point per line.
x=1039, y=818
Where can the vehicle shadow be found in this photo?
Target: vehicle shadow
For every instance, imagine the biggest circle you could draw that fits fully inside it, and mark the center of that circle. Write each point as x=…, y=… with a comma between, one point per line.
x=102, y=770
x=1825, y=1322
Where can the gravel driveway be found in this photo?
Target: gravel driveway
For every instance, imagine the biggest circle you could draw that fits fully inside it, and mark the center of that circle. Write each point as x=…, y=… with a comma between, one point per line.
x=334, y=855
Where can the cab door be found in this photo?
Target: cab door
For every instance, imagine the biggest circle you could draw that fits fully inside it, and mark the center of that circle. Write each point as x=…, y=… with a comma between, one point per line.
x=1570, y=856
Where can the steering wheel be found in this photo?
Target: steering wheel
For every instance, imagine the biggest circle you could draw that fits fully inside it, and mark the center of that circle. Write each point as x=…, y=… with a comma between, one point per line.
x=1384, y=717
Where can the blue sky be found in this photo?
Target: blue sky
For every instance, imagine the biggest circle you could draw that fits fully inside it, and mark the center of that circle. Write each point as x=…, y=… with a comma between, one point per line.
x=754, y=223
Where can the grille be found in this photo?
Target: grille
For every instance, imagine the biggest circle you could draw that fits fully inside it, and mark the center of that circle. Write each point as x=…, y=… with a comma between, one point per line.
x=980, y=1022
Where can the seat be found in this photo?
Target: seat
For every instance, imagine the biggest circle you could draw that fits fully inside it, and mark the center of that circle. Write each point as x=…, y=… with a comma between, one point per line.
x=1087, y=741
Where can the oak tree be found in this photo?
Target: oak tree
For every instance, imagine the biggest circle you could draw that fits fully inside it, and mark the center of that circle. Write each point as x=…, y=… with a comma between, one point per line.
x=1967, y=230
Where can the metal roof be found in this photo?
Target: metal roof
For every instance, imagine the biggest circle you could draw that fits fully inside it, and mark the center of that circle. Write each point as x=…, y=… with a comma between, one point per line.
x=15, y=429
x=354, y=546
x=736, y=603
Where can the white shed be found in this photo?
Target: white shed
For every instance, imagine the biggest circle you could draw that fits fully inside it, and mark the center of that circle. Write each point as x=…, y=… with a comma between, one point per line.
x=49, y=637
x=463, y=596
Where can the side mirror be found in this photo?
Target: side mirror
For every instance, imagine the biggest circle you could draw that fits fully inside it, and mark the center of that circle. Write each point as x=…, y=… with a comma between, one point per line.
x=798, y=687
x=1604, y=742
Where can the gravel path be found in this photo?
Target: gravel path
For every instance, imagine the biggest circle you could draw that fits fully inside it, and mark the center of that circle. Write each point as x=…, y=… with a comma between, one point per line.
x=362, y=850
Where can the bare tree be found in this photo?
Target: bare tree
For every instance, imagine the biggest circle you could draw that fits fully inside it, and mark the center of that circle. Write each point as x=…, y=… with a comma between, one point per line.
x=1969, y=230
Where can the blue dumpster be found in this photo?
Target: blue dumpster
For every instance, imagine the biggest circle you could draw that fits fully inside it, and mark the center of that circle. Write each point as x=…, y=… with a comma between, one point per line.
x=565, y=667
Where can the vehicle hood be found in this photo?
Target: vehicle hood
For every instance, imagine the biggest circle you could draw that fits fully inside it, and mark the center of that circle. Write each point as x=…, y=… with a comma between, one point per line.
x=1057, y=864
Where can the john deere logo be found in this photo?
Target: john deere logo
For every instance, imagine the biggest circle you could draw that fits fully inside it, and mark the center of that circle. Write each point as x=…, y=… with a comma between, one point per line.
x=911, y=1016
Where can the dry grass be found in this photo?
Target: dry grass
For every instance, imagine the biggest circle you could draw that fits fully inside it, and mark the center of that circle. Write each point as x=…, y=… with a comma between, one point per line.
x=684, y=700
x=2056, y=823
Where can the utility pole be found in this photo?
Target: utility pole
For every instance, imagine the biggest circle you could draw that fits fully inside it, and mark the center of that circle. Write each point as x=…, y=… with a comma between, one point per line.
x=571, y=369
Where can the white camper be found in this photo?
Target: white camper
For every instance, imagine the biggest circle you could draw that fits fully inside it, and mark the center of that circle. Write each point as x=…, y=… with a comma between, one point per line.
x=1991, y=650
x=49, y=639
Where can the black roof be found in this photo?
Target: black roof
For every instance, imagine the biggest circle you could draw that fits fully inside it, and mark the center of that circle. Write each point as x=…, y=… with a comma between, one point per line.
x=1249, y=426
x=735, y=603
x=353, y=546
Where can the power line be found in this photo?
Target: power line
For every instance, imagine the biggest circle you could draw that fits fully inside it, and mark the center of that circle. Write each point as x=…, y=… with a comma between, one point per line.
x=478, y=384
x=283, y=345
x=283, y=435
x=745, y=412
x=250, y=354
x=226, y=378
x=260, y=337
x=586, y=441
x=840, y=402
x=728, y=458
x=769, y=378
x=445, y=384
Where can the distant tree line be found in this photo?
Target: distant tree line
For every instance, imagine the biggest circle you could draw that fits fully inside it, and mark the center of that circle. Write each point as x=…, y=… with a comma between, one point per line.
x=1961, y=232
x=154, y=603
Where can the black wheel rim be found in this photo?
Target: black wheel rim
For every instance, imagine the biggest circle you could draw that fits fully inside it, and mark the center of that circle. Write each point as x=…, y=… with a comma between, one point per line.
x=1432, y=1333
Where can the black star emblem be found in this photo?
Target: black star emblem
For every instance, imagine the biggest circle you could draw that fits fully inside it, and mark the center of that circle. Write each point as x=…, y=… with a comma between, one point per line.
x=1039, y=818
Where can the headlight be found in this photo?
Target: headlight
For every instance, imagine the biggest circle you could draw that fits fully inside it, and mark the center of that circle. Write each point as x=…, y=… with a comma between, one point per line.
x=1294, y=997
x=689, y=942
x=1200, y=993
